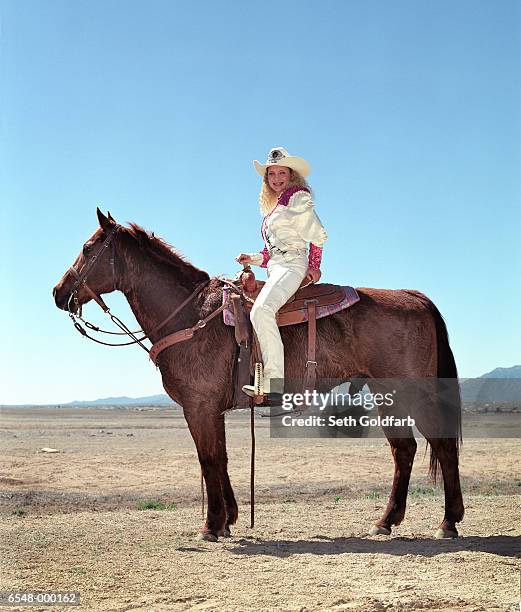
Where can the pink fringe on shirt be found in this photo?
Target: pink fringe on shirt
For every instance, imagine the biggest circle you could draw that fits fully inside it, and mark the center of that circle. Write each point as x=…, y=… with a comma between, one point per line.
x=315, y=256
x=285, y=196
x=265, y=257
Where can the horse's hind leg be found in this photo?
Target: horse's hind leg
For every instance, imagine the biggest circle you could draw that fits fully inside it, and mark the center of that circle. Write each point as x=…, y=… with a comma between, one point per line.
x=403, y=449
x=446, y=451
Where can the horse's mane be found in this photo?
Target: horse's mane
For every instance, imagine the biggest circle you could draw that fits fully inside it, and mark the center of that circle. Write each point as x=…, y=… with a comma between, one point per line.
x=159, y=250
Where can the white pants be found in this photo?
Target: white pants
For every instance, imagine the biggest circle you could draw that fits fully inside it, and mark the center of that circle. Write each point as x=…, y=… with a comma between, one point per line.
x=284, y=279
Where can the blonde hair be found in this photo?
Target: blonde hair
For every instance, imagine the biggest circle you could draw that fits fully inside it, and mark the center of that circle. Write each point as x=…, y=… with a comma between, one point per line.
x=268, y=198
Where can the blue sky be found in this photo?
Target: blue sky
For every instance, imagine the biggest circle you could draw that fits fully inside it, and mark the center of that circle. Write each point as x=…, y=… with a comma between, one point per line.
x=409, y=113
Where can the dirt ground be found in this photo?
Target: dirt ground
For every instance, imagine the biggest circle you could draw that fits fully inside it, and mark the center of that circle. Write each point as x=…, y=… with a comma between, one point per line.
x=70, y=520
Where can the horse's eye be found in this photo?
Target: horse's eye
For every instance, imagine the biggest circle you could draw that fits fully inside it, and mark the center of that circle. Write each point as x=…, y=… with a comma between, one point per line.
x=87, y=248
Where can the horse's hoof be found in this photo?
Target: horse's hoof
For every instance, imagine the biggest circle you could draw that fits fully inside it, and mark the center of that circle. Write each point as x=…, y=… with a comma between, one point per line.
x=207, y=537
x=444, y=534
x=224, y=533
x=377, y=530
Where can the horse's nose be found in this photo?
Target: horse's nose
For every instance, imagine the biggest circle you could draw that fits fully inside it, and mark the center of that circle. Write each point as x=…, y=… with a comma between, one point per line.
x=57, y=299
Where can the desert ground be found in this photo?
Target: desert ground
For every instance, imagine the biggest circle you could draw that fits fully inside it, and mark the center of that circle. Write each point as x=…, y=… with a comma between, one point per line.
x=70, y=520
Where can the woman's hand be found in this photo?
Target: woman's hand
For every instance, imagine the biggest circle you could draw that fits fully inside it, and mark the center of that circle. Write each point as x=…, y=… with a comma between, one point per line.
x=243, y=258
x=312, y=276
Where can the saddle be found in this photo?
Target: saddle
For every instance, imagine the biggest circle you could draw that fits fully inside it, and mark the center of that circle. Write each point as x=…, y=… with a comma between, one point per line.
x=309, y=303
x=295, y=310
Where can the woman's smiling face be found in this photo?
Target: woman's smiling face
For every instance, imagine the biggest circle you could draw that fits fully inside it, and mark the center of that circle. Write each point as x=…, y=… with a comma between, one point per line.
x=278, y=178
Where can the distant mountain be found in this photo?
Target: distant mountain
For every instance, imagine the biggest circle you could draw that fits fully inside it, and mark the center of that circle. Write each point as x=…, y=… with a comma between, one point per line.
x=500, y=385
x=493, y=386
x=149, y=400
x=513, y=372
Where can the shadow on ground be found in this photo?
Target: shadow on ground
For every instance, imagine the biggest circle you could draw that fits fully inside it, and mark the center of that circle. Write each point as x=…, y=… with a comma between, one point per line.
x=505, y=546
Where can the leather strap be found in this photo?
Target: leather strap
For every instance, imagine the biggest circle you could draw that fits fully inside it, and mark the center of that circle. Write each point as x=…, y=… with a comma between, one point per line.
x=195, y=292
x=97, y=298
x=311, y=364
x=243, y=330
x=178, y=336
x=182, y=334
x=242, y=322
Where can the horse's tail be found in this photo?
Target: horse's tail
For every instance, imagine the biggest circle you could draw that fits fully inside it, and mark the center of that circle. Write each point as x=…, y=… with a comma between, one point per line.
x=449, y=397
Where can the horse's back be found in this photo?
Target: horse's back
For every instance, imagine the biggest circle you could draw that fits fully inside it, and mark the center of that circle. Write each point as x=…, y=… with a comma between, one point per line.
x=405, y=300
x=395, y=331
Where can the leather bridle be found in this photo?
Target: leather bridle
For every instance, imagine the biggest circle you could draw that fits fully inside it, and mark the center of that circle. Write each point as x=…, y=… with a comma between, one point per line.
x=81, y=281
x=81, y=278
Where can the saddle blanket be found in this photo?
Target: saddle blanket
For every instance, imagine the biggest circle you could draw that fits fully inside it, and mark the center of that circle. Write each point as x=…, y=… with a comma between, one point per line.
x=350, y=297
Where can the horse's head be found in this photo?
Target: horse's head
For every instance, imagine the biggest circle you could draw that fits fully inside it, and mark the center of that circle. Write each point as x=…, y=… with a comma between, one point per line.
x=93, y=271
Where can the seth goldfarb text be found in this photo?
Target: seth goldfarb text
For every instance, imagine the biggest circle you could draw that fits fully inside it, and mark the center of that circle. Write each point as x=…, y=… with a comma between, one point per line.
x=347, y=421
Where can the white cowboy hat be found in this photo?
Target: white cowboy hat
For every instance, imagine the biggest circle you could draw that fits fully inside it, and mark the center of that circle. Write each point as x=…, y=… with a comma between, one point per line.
x=280, y=157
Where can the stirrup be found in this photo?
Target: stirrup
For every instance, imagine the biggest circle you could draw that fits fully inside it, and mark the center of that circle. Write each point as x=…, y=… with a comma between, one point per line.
x=294, y=412
x=249, y=390
x=273, y=398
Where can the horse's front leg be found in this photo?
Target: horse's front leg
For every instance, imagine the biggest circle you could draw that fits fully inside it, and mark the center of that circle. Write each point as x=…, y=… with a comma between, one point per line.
x=230, y=504
x=206, y=426
x=232, y=510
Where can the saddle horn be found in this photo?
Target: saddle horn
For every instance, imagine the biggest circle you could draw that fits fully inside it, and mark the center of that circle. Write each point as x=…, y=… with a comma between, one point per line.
x=248, y=282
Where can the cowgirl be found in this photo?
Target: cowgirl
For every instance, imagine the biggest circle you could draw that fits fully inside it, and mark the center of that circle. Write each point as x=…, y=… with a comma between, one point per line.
x=290, y=224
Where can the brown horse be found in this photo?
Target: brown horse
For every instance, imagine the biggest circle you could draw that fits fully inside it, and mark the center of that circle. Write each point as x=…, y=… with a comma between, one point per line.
x=388, y=334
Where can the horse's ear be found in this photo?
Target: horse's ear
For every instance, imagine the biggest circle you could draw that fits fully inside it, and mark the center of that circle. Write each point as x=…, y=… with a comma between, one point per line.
x=104, y=222
x=111, y=217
